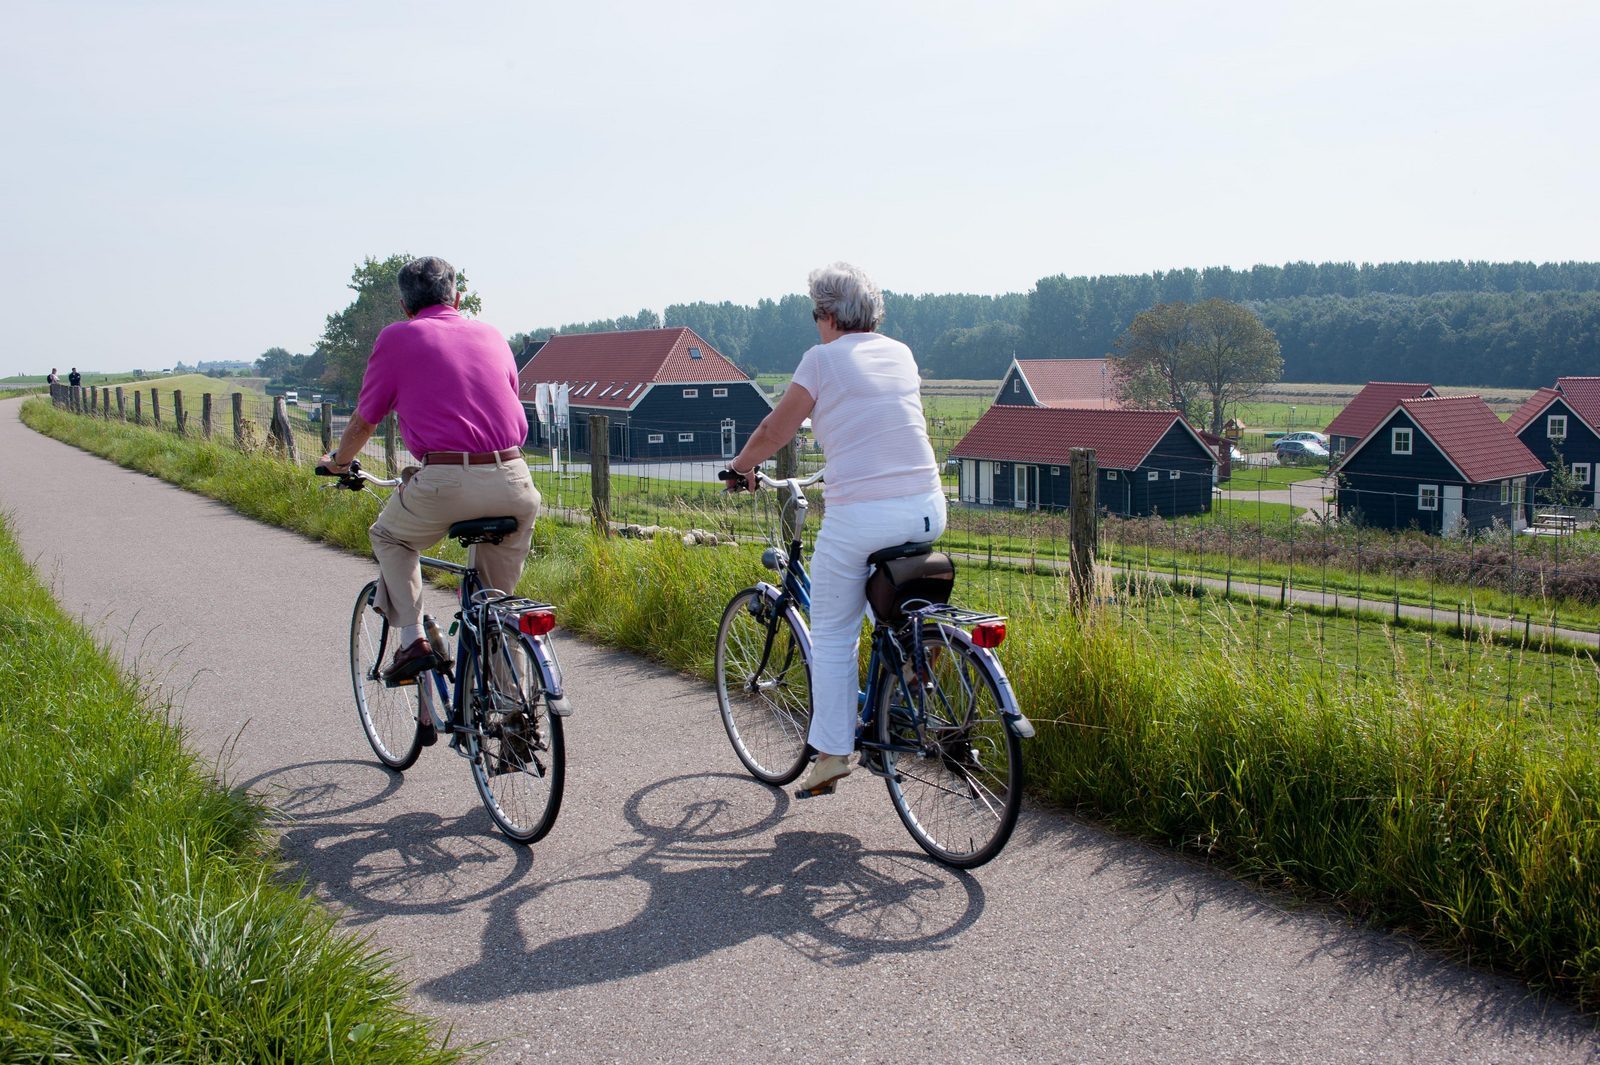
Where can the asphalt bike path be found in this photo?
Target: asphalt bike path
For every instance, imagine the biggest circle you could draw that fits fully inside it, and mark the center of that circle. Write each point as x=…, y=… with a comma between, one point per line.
x=680, y=911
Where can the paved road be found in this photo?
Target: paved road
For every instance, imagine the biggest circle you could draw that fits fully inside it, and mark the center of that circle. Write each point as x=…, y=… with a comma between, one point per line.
x=680, y=912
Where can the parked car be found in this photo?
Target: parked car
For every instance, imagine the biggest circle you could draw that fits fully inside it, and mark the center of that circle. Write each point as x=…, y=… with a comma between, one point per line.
x=1315, y=438
x=1300, y=452
x=291, y=398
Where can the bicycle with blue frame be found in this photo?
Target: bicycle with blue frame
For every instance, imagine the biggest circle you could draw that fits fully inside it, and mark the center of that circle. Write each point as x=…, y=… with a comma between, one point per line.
x=499, y=698
x=938, y=719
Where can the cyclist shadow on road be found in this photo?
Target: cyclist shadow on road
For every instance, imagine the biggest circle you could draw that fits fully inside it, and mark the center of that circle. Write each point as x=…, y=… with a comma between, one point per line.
x=709, y=875
x=410, y=862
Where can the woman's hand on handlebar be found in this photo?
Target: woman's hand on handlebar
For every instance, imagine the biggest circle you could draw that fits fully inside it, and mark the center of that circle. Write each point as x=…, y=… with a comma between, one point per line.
x=734, y=481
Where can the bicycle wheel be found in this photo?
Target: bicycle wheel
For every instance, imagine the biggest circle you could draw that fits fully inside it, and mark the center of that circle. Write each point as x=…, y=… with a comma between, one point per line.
x=763, y=687
x=388, y=715
x=959, y=795
x=519, y=754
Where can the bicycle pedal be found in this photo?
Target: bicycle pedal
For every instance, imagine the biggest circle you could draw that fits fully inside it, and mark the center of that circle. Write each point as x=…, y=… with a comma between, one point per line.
x=818, y=792
x=404, y=682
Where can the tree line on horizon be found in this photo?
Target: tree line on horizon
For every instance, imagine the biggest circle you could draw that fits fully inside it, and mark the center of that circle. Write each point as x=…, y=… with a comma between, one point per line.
x=1517, y=324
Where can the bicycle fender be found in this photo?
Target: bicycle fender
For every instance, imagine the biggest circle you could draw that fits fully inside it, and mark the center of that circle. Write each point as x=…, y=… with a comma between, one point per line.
x=772, y=594
x=1013, y=716
x=549, y=671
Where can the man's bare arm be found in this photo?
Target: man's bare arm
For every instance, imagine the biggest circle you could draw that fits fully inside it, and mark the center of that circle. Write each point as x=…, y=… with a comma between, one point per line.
x=355, y=436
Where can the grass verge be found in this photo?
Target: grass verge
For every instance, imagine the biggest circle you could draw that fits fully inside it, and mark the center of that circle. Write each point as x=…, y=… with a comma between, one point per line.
x=143, y=920
x=1477, y=832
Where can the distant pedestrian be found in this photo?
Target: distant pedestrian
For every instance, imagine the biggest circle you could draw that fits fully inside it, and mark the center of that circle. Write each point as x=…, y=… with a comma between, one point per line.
x=74, y=378
x=54, y=378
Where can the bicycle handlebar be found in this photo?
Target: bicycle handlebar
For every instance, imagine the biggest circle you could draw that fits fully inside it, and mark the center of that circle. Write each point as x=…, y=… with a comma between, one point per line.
x=735, y=481
x=355, y=478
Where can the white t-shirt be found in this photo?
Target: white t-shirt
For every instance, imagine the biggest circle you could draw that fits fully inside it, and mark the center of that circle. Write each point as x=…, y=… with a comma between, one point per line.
x=868, y=418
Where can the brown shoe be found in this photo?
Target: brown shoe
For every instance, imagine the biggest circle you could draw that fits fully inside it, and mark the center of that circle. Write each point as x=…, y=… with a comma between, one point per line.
x=409, y=661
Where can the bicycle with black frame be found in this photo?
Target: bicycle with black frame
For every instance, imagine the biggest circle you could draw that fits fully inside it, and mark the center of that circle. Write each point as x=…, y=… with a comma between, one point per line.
x=938, y=719
x=499, y=697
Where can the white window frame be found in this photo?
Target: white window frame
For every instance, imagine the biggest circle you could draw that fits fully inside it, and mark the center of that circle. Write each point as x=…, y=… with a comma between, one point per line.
x=1555, y=427
x=691, y=393
x=1153, y=475
x=685, y=438
x=1425, y=492
x=1582, y=471
x=1055, y=471
x=719, y=393
x=1395, y=436
x=1111, y=475
x=1016, y=386
x=1174, y=475
x=656, y=438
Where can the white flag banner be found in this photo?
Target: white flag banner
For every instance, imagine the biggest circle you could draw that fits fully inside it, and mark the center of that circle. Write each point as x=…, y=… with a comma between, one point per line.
x=541, y=402
x=563, y=394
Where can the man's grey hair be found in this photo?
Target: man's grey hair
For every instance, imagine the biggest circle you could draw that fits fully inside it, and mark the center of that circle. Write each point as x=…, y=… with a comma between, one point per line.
x=847, y=293
x=425, y=282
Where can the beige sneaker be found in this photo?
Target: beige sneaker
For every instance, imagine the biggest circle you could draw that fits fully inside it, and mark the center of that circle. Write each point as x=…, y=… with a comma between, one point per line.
x=826, y=771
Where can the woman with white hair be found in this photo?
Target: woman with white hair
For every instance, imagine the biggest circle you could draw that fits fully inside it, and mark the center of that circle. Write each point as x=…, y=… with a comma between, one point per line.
x=863, y=395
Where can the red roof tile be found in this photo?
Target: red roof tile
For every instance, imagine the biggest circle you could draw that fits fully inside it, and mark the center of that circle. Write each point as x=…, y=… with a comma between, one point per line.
x=614, y=369
x=1122, y=438
x=1473, y=437
x=1583, y=396
x=1530, y=409
x=1071, y=382
x=1372, y=404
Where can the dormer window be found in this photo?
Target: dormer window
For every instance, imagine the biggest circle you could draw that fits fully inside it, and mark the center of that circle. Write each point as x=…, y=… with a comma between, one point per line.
x=1400, y=441
x=1555, y=427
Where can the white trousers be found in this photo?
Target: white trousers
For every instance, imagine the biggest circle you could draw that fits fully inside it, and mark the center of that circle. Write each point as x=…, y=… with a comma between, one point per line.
x=839, y=570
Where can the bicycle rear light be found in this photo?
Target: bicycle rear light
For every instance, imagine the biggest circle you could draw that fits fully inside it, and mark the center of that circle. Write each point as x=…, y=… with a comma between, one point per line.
x=539, y=622
x=989, y=634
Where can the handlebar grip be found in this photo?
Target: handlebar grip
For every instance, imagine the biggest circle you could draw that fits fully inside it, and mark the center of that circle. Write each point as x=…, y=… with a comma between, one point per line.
x=733, y=480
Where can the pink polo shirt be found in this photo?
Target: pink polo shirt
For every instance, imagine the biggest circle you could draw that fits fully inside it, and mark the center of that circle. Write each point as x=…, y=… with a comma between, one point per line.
x=452, y=382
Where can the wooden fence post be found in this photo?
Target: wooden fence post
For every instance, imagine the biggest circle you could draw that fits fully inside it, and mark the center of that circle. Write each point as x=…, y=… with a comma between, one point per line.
x=205, y=415
x=155, y=407
x=600, y=471
x=281, y=431
x=105, y=403
x=72, y=404
x=326, y=414
x=89, y=394
x=389, y=445
x=238, y=419
x=1085, y=524
x=178, y=417
x=138, y=408
x=788, y=465
x=122, y=410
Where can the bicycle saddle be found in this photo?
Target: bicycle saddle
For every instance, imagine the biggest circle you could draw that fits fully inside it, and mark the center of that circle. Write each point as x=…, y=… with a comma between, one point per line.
x=483, y=530
x=911, y=550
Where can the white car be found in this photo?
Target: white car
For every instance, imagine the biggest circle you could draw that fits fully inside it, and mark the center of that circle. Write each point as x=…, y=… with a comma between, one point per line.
x=1310, y=437
x=292, y=398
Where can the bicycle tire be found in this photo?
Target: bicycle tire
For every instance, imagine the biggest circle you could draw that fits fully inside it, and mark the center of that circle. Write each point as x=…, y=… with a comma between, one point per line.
x=959, y=799
x=518, y=749
x=767, y=717
x=389, y=716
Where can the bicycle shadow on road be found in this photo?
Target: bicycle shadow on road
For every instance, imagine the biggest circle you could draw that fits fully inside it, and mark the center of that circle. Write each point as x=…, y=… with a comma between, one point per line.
x=708, y=874
x=413, y=862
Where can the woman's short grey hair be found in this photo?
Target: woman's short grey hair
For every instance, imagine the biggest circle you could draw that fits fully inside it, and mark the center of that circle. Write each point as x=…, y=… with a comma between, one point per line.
x=847, y=293
x=425, y=282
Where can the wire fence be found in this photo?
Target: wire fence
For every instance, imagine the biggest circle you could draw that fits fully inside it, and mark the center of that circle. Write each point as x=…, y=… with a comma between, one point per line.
x=1487, y=593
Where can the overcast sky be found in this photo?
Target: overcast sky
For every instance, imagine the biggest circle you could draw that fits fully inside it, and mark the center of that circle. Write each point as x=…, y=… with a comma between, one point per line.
x=196, y=180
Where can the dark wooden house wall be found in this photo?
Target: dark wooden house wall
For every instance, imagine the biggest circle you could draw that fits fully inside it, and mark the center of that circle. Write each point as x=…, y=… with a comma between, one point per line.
x=1380, y=489
x=665, y=411
x=1014, y=391
x=1580, y=447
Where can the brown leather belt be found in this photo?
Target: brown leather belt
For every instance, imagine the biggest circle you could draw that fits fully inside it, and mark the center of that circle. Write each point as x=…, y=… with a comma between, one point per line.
x=470, y=458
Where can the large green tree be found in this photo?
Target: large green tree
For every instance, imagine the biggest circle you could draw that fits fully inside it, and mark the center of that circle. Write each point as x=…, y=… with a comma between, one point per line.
x=274, y=363
x=1201, y=358
x=349, y=334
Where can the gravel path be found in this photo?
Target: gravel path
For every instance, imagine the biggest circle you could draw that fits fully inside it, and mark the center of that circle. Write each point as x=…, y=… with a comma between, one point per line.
x=679, y=911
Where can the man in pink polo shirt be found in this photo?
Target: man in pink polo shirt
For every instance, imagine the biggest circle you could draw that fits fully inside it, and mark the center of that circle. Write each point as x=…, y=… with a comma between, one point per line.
x=452, y=383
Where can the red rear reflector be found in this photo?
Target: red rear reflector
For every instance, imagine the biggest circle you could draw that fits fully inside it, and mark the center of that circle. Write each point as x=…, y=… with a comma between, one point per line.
x=536, y=622
x=989, y=634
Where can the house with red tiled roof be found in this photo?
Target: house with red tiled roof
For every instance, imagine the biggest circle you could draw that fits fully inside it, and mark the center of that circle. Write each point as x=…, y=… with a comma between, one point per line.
x=1361, y=415
x=1561, y=426
x=1150, y=461
x=1059, y=383
x=668, y=394
x=1441, y=464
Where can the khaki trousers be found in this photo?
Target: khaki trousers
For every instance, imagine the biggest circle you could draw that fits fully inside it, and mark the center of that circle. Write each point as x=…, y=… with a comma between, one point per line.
x=421, y=511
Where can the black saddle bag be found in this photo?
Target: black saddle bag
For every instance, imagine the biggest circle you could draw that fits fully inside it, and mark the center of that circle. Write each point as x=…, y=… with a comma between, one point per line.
x=916, y=581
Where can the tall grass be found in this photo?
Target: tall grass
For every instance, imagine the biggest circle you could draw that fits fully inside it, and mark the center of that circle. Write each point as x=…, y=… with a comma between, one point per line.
x=142, y=920
x=1473, y=830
